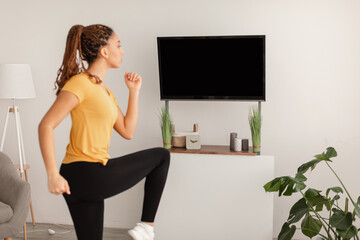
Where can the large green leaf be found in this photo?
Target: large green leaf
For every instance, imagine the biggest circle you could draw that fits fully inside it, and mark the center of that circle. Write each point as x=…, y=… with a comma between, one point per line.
x=336, y=197
x=297, y=211
x=272, y=186
x=290, y=189
x=331, y=152
x=311, y=192
x=341, y=220
x=335, y=190
x=322, y=156
x=319, y=207
x=300, y=177
x=348, y=233
x=287, y=232
x=319, y=157
x=303, y=168
x=310, y=226
x=299, y=186
x=316, y=200
x=286, y=185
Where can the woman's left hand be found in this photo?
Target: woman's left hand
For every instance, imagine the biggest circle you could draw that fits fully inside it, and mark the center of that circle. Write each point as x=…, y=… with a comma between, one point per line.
x=133, y=81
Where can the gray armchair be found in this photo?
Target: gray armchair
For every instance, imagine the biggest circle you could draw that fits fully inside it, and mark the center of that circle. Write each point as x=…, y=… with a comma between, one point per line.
x=14, y=199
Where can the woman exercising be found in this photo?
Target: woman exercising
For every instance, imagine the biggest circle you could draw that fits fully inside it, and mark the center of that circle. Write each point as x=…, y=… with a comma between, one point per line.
x=87, y=174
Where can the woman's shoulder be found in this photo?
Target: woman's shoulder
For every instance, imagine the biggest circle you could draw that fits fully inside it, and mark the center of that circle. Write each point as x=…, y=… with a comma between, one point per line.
x=80, y=78
x=80, y=84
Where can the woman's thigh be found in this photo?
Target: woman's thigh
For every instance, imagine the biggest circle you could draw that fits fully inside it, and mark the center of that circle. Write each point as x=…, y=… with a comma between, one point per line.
x=126, y=171
x=93, y=181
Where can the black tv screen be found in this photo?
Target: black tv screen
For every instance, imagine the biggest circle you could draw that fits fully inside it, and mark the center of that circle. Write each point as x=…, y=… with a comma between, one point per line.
x=212, y=67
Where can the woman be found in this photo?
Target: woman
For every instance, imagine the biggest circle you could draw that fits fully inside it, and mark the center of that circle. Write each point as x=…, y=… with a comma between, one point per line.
x=87, y=174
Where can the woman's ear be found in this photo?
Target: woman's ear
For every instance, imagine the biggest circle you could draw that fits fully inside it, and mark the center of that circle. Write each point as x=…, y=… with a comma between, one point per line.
x=104, y=52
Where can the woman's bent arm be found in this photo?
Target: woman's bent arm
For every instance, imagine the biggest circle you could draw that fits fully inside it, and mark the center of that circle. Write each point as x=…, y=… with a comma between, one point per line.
x=126, y=126
x=63, y=104
x=131, y=116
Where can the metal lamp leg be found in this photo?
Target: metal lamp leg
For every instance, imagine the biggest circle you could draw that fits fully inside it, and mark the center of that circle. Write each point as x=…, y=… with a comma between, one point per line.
x=20, y=141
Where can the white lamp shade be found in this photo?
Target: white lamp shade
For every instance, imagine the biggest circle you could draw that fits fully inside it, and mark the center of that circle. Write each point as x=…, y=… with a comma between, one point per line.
x=16, y=81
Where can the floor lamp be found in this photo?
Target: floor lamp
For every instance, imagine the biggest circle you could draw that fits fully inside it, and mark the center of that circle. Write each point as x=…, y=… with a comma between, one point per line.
x=16, y=83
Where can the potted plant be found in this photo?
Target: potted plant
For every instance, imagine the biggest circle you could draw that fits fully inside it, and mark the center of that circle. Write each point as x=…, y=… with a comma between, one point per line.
x=166, y=128
x=321, y=213
x=255, y=128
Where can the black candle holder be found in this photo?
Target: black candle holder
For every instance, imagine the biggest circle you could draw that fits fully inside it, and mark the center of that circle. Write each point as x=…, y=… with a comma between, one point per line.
x=245, y=144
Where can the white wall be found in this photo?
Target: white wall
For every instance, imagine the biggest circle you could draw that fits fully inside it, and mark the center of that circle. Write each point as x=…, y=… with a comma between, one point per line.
x=313, y=58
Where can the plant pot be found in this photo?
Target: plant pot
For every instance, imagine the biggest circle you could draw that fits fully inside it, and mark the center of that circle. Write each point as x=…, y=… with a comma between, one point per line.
x=256, y=143
x=256, y=148
x=167, y=145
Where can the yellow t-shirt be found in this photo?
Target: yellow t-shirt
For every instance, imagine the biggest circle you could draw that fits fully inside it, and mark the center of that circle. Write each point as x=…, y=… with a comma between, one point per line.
x=92, y=120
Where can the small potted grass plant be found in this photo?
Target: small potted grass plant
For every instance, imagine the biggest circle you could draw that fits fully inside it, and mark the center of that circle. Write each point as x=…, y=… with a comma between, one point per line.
x=166, y=127
x=255, y=127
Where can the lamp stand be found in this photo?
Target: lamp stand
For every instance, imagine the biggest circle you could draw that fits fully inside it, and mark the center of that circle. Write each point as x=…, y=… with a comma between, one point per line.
x=15, y=110
x=22, y=166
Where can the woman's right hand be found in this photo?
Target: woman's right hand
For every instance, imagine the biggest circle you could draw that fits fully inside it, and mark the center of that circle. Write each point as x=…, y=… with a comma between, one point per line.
x=133, y=81
x=58, y=185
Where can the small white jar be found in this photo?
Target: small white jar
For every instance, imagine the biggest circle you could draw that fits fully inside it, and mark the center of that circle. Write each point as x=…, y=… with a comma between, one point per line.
x=237, y=144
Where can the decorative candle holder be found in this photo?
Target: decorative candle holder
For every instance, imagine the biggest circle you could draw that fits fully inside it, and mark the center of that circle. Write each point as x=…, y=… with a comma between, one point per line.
x=245, y=144
x=232, y=137
x=237, y=144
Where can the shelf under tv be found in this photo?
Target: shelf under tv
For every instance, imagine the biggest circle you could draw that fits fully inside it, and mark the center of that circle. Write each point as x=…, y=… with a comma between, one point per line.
x=212, y=149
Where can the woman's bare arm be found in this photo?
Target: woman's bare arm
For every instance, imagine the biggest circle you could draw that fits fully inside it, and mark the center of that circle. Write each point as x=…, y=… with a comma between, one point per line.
x=126, y=126
x=63, y=104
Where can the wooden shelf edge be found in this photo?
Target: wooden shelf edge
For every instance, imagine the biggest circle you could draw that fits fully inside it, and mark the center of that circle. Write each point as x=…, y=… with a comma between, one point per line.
x=213, y=149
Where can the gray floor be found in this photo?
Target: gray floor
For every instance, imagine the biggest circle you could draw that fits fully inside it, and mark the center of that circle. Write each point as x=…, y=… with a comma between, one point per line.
x=40, y=232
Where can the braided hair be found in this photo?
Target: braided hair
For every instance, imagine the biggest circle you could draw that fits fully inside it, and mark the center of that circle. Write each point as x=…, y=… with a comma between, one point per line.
x=87, y=41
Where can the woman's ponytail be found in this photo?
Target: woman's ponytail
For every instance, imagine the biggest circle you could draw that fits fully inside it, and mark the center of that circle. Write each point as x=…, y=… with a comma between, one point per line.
x=70, y=65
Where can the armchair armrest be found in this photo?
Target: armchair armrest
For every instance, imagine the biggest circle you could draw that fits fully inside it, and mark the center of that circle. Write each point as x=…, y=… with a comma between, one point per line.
x=14, y=192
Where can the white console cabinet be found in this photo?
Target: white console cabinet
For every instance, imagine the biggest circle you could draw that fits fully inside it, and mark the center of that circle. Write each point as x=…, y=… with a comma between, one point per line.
x=216, y=196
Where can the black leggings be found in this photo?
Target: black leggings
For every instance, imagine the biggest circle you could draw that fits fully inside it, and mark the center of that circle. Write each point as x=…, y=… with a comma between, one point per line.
x=91, y=183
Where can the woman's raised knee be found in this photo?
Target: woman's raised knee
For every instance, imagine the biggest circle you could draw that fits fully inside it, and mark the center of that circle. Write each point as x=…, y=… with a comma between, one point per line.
x=164, y=153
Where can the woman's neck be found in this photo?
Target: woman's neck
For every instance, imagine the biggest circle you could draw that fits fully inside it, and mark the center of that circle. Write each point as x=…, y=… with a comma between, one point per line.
x=98, y=69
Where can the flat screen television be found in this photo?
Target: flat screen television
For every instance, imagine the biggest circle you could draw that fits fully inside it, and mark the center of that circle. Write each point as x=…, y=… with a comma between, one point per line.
x=212, y=67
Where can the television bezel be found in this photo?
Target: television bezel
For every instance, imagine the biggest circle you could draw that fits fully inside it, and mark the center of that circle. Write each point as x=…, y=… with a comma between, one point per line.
x=212, y=98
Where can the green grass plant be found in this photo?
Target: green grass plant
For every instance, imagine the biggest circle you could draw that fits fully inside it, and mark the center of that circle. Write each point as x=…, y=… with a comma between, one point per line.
x=166, y=127
x=255, y=127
